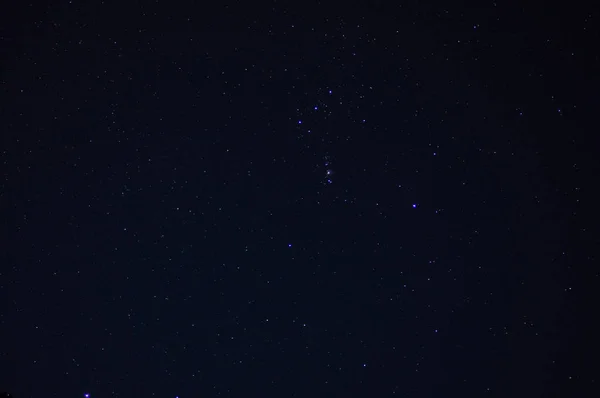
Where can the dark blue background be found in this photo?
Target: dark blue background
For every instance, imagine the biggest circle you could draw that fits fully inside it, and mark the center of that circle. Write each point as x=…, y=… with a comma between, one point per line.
x=169, y=227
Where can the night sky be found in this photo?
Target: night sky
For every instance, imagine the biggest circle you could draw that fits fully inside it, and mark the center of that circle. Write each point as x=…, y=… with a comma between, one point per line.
x=307, y=200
